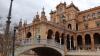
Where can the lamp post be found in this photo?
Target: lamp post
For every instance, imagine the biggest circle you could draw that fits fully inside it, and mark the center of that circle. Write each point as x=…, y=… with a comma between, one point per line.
x=6, y=39
x=14, y=37
x=65, y=44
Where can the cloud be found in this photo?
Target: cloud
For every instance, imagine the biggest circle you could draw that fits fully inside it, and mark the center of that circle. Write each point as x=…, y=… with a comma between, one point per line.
x=26, y=9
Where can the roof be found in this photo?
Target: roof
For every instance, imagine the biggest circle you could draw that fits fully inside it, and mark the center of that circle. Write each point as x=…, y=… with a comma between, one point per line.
x=88, y=10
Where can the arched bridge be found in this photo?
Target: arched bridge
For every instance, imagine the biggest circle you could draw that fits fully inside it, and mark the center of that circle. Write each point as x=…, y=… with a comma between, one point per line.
x=26, y=44
x=30, y=43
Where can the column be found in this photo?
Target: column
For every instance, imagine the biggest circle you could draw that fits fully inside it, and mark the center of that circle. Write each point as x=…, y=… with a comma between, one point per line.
x=83, y=40
x=65, y=46
x=92, y=41
x=75, y=41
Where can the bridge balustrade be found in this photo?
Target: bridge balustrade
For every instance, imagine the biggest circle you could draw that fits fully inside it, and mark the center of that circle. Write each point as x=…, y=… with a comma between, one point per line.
x=52, y=43
x=33, y=41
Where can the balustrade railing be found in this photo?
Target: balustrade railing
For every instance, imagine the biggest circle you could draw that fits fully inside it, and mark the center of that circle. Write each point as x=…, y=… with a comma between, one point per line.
x=47, y=42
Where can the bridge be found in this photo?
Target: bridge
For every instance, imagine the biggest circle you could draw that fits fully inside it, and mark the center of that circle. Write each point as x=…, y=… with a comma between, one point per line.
x=26, y=44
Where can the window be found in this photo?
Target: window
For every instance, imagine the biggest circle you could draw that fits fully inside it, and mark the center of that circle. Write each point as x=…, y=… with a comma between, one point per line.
x=76, y=26
x=89, y=16
x=93, y=15
x=98, y=13
x=84, y=18
x=98, y=24
x=69, y=26
x=86, y=25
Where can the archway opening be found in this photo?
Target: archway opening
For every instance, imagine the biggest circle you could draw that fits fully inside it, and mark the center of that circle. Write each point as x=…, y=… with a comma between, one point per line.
x=62, y=38
x=50, y=33
x=68, y=42
x=97, y=39
x=79, y=41
x=69, y=26
x=28, y=35
x=87, y=41
x=46, y=51
x=57, y=39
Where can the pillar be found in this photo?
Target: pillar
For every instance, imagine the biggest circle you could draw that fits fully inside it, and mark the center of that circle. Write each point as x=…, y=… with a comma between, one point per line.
x=65, y=46
x=70, y=42
x=75, y=41
x=83, y=40
x=92, y=41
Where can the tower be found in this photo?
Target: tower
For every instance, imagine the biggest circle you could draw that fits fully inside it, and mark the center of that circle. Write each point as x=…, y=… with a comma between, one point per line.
x=43, y=17
x=25, y=23
x=36, y=18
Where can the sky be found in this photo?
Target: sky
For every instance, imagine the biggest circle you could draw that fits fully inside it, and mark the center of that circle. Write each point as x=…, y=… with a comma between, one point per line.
x=26, y=9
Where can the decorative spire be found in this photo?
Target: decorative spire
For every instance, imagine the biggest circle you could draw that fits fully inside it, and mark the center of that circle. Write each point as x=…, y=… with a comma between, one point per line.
x=43, y=8
x=37, y=16
x=25, y=22
x=51, y=12
x=72, y=3
x=37, y=13
x=20, y=23
x=43, y=12
x=64, y=3
x=43, y=17
x=21, y=20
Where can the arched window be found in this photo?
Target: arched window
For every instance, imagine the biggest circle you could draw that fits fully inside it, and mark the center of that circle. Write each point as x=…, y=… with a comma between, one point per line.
x=50, y=33
x=69, y=26
x=28, y=35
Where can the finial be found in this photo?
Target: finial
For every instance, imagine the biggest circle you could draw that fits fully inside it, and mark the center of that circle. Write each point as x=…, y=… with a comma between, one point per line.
x=43, y=8
x=37, y=13
x=20, y=19
x=72, y=2
x=26, y=22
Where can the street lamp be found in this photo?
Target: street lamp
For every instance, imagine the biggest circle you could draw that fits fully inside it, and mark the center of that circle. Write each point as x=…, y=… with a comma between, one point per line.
x=14, y=37
x=6, y=39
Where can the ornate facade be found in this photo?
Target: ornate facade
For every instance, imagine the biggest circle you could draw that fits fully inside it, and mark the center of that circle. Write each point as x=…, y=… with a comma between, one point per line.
x=80, y=28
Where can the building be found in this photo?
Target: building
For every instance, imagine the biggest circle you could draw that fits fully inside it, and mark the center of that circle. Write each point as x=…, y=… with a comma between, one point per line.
x=80, y=28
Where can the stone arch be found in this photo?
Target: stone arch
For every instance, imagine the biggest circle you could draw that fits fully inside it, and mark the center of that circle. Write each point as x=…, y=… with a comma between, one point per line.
x=79, y=41
x=28, y=35
x=46, y=51
x=35, y=46
x=96, y=39
x=69, y=26
x=87, y=41
x=57, y=37
x=62, y=38
x=50, y=33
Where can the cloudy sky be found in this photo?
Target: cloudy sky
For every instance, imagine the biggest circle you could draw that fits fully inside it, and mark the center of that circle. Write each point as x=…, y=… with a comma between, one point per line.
x=26, y=9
